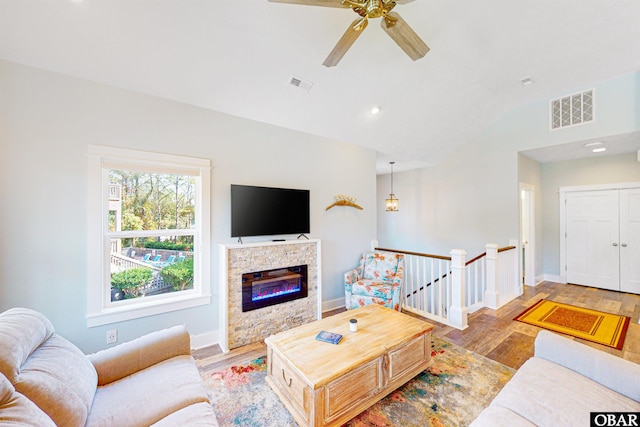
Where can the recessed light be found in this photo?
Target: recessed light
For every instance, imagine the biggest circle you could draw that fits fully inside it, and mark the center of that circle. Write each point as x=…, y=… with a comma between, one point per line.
x=599, y=150
x=375, y=109
x=593, y=144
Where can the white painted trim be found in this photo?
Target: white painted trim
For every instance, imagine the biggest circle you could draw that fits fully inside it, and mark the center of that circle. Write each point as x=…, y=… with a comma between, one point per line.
x=530, y=251
x=333, y=304
x=121, y=314
x=554, y=278
x=205, y=340
x=614, y=186
x=100, y=309
x=223, y=296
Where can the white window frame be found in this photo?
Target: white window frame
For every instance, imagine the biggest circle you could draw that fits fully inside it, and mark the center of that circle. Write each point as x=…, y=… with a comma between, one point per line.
x=100, y=309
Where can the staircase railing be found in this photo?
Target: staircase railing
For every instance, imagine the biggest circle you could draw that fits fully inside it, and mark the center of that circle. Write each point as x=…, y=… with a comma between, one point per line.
x=448, y=288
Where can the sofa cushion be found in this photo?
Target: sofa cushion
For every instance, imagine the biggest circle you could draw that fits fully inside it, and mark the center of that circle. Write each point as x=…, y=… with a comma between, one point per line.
x=148, y=396
x=497, y=416
x=21, y=331
x=199, y=414
x=609, y=370
x=546, y=393
x=17, y=410
x=60, y=379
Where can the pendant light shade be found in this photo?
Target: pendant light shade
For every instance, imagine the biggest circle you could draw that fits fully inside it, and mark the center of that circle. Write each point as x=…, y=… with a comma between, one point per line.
x=391, y=202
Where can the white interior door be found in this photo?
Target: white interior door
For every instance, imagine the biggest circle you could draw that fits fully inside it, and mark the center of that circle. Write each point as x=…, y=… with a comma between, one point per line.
x=630, y=240
x=592, y=240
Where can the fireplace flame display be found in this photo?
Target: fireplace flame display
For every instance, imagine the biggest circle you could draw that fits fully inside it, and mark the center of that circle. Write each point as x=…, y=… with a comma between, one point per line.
x=265, y=288
x=274, y=291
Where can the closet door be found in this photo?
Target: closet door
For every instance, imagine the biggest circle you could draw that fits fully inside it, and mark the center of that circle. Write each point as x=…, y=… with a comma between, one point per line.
x=630, y=240
x=593, y=256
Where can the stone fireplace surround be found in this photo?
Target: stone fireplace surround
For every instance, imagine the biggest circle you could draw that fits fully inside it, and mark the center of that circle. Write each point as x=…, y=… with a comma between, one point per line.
x=237, y=328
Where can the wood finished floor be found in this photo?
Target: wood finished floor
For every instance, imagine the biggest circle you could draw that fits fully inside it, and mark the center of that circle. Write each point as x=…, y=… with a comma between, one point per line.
x=491, y=333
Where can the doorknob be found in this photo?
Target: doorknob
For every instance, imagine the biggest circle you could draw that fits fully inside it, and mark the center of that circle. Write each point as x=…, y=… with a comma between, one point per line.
x=624, y=245
x=615, y=244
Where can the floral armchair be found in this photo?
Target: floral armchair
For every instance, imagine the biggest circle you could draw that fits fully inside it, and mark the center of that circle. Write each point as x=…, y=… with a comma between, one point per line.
x=377, y=280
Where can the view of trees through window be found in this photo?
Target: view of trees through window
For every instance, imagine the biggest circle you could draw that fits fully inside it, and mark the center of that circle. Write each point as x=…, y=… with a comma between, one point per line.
x=151, y=226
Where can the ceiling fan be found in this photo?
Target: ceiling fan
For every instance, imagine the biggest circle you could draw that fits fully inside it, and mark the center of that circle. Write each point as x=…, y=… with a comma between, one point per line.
x=391, y=23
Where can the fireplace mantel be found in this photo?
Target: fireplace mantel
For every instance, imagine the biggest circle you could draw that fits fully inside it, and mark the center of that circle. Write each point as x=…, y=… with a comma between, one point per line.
x=238, y=328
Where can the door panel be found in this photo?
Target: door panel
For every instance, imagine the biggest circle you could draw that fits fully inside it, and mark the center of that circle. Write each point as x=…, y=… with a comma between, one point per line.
x=593, y=251
x=630, y=240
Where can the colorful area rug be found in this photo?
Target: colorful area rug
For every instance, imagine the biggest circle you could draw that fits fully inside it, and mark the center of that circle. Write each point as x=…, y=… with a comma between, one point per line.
x=591, y=325
x=457, y=386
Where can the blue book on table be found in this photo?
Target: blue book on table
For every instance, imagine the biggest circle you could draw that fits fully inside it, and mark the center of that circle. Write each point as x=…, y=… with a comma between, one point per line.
x=330, y=337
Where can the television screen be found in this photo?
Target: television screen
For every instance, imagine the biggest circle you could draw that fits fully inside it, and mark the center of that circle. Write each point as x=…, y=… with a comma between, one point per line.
x=262, y=211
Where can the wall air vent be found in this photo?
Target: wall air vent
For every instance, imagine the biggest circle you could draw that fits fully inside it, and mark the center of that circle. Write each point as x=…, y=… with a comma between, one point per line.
x=300, y=83
x=572, y=110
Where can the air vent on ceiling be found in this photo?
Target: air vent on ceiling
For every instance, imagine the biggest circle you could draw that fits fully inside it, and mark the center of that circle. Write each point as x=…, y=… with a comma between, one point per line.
x=300, y=83
x=572, y=110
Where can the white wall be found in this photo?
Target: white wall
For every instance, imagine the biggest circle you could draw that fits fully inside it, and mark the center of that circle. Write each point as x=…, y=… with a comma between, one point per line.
x=473, y=198
x=46, y=122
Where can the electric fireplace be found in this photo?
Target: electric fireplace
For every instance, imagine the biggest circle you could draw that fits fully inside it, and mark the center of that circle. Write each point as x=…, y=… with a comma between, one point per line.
x=269, y=287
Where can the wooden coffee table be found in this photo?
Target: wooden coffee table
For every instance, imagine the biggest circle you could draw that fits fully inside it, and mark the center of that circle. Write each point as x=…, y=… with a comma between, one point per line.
x=324, y=384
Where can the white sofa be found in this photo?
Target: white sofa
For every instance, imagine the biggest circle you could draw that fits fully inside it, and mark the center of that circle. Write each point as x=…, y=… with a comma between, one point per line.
x=562, y=384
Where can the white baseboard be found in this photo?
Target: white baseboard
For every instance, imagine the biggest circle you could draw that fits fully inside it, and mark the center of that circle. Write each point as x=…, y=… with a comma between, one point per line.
x=553, y=278
x=332, y=304
x=205, y=340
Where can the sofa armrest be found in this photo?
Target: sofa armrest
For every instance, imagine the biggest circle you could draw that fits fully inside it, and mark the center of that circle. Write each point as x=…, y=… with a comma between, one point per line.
x=611, y=371
x=127, y=358
x=398, y=278
x=352, y=276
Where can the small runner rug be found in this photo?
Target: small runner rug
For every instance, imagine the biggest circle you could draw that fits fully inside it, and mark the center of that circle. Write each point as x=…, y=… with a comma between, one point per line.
x=591, y=325
x=453, y=391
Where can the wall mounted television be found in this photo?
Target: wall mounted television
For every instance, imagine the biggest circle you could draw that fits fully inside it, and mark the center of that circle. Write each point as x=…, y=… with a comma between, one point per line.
x=268, y=211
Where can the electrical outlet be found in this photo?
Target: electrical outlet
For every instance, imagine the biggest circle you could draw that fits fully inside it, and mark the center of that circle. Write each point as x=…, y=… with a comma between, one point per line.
x=112, y=336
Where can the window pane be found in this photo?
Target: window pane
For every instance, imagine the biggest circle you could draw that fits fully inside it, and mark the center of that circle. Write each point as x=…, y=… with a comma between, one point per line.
x=149, y=266
x=151, y=201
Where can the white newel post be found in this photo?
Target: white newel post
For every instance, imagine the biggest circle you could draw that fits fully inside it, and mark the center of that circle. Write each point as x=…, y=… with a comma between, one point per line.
x=458, y=309
x=491, y=295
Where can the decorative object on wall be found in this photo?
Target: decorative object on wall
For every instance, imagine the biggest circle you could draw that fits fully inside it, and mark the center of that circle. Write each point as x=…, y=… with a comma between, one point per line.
x=391, y=23
x=392, y=201
x=342, y=200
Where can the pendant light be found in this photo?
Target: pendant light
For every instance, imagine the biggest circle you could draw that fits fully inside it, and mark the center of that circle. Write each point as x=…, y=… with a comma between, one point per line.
x=392, y=201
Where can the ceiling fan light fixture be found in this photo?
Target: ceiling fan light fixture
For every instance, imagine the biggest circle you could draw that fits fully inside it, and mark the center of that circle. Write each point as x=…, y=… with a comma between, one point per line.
x=374, y=8
x=392, y=24
x=599, y=150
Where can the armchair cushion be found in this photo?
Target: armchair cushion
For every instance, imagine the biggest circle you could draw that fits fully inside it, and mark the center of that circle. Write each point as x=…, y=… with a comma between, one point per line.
x=377, y=280
x=380, y=266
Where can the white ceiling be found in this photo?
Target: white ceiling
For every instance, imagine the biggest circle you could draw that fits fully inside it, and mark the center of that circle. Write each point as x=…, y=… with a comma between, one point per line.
x=237, y=57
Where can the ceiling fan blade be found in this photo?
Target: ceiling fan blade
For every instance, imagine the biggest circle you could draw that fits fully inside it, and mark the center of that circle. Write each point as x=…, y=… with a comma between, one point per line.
x=326, y=3
x=404, y=36
x=346, y=41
